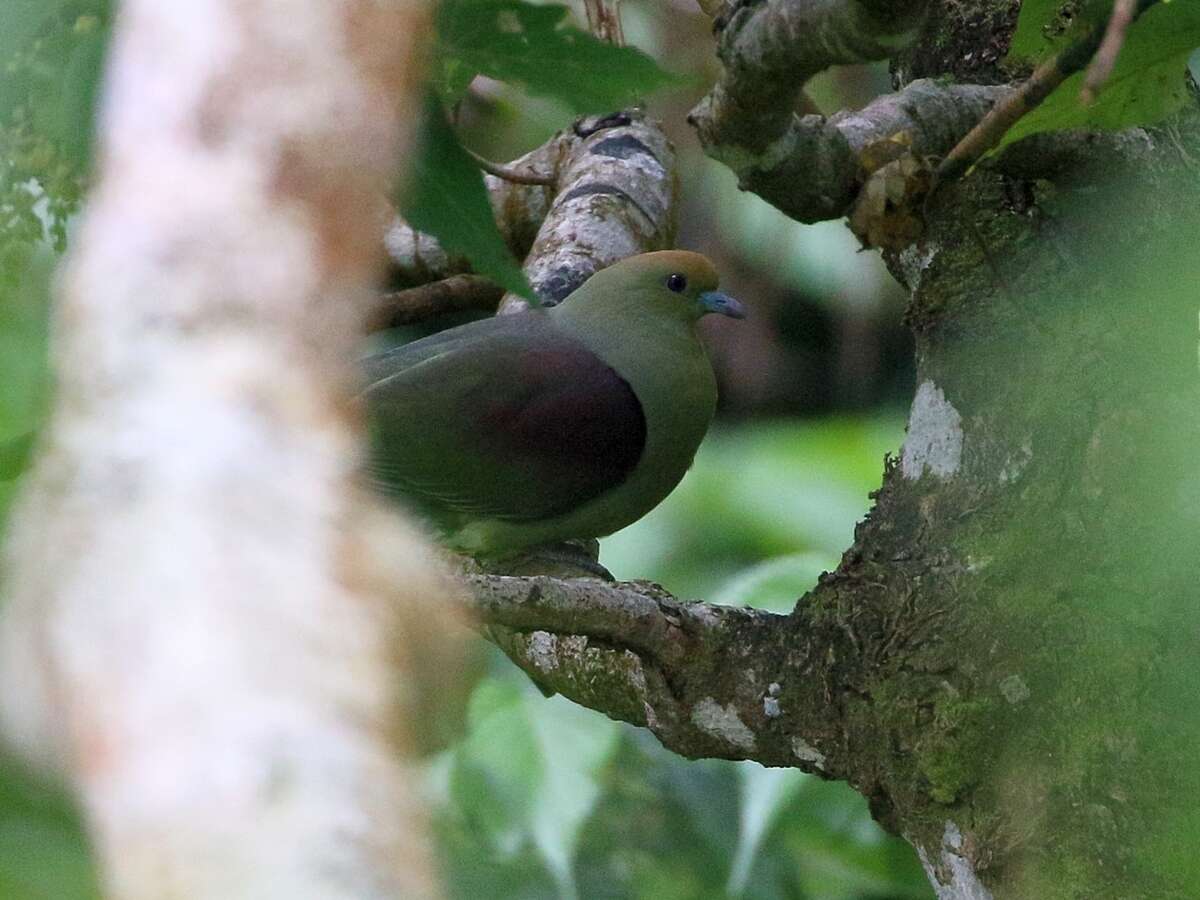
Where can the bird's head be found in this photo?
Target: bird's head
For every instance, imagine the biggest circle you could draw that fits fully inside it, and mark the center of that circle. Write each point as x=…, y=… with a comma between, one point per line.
x=675, y=283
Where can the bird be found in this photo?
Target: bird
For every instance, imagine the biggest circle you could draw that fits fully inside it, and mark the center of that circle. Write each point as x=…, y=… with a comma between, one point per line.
x=555, y=423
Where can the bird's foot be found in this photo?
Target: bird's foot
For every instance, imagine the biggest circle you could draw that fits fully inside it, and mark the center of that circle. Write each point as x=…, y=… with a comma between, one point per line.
x=563, y=559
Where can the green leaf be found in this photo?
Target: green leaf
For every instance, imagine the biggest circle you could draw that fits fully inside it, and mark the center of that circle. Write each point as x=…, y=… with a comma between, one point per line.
x=533, y=46
x=22, y=20
x=1046, y=26
x=446, y=197
x=1148, y=83
x=575, y=743
x=528, y=772
x=765, y=793
x=15, y=454
x=80, y=88
x=776, y=584
x=24, y=367
x=452, y=76
x=43, y=849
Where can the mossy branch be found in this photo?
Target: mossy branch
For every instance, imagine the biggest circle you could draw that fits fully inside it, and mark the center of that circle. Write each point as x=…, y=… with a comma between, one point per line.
x=707, y=680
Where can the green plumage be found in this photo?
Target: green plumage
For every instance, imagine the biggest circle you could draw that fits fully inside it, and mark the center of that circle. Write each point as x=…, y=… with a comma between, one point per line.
x=567, y=422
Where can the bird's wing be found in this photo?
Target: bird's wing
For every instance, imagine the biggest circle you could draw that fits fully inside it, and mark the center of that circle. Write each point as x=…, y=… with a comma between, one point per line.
x=505, y=418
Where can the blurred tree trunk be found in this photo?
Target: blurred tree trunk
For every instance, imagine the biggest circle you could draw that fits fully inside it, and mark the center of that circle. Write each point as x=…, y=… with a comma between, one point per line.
x=210, y=632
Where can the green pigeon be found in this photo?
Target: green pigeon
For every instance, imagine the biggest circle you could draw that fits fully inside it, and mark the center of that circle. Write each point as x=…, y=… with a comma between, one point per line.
x=556, y=423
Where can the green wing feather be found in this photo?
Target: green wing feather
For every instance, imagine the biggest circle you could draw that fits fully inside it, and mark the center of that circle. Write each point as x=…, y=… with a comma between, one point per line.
x=505, y=418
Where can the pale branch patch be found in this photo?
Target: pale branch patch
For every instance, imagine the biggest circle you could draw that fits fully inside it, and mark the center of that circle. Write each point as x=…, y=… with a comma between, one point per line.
x=604, y=20
x=613, y=196
x=458, y=293
x=642, y=616
x=616, y=197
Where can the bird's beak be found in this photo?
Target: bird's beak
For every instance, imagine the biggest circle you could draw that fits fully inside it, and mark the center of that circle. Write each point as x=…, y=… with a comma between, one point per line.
x=716, y=302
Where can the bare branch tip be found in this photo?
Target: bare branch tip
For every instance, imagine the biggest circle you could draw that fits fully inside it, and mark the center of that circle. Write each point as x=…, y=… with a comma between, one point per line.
x=511, y=173
x=604, y=20
x=1102, y=64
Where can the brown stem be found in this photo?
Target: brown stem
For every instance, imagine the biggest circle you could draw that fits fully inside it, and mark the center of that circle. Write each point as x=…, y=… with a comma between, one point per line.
x=604, y=20
x=510, y=173
x=418, y=304
x=1123, y=14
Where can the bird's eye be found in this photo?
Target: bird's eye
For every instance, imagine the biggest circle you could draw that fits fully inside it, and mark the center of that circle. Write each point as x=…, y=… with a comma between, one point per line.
x=677, y=283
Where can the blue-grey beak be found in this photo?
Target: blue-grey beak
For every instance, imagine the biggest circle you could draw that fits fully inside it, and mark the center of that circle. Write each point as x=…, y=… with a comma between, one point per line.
x=716, y=302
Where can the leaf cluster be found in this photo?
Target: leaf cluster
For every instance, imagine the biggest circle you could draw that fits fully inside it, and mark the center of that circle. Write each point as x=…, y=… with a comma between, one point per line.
x=531, y=47
x=1149, y=83
x=50, y=58
x=536, y=48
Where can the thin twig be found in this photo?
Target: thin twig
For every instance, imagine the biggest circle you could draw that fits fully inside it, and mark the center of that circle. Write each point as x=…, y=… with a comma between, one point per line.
x=1123, y=14
x=454, y=294
x=508, y=173
x=604, y=20
x=1045, y=78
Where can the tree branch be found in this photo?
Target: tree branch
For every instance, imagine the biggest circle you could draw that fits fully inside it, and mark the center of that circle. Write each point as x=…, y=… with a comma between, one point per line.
x=708, y=681
x=616, y=197
x=613, y=196
x=457, y=293
x=770, y=50
x=814, y=170
x=810, y=166
x=641, y=615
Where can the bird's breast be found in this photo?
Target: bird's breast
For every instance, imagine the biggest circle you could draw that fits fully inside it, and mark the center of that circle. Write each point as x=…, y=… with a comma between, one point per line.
x=664, y=363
